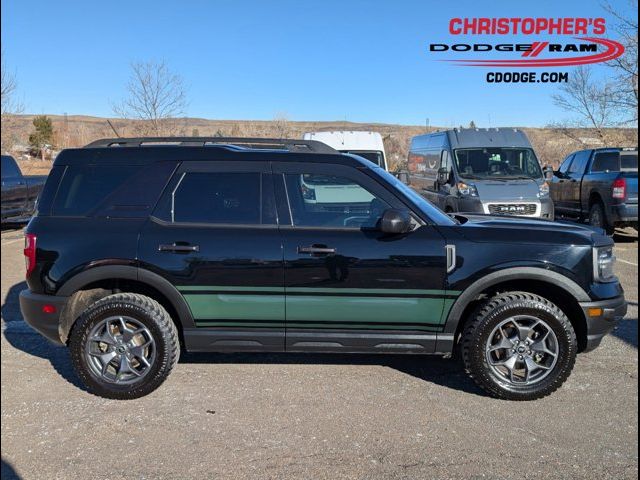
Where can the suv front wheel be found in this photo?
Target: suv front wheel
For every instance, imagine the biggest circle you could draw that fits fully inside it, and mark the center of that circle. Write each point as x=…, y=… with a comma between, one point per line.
x=519, y=346
x=124, y=346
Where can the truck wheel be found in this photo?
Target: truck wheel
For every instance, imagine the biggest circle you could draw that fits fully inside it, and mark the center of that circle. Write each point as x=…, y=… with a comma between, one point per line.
x=124, y=346
x=597, y=218
x=519, y=346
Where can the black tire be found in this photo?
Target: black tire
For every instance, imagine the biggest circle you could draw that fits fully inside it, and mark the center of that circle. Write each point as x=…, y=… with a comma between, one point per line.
x=598, y=218
x=146, y=312
x=493, y=313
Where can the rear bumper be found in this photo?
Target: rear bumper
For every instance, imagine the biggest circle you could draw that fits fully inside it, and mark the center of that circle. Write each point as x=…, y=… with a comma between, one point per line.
x=31, y=306
x=625, y=213
x=612, y=311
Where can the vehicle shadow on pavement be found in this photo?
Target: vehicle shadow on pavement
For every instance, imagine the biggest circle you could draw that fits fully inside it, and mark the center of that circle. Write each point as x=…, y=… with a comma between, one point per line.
x=20, y=336
x=445, y=372
x=625, y=236
x=627, y=329
x=8, y=472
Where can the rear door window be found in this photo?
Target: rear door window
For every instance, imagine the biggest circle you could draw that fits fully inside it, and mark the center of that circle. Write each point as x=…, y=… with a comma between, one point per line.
x=220, y=198
x=606, y=161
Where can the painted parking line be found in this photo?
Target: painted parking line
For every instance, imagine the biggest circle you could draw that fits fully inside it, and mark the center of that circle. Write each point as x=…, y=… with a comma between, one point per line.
x=13, y=241
x=627, y=262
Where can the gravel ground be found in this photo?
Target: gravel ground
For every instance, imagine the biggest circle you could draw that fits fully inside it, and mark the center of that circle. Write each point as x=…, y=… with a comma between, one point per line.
x=315, y=416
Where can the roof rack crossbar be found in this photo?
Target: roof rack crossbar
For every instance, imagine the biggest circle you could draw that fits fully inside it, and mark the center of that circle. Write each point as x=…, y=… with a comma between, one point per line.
x=307, y=146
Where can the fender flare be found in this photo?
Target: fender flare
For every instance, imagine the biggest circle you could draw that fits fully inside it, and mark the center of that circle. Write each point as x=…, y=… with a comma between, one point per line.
x=128, y=272
x=509, y=274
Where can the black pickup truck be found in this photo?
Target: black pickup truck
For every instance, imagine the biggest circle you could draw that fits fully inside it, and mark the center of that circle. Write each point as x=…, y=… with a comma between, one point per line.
x=599, y=186
x=19, y=192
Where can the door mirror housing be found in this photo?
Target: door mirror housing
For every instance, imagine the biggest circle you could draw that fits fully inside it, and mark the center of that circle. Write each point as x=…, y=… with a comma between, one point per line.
x=444, y=174
x=394, y=220
x=548, y=172
x=403, y=176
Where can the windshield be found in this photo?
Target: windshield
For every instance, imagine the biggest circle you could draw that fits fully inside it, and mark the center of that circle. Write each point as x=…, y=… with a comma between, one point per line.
x=480, y=163
x=433, y=212
x=372, y=156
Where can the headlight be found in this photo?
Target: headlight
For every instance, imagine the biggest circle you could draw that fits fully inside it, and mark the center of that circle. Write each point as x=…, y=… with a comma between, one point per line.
x=543, y=190
x=467, y=189
x=603, y=263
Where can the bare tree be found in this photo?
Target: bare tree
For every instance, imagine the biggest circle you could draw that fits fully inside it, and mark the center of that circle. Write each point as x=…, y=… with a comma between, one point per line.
x=625, y=67
x=592, y=101
x=281, y=126
x=611, y=102
x=156, y=98
x=10, y=104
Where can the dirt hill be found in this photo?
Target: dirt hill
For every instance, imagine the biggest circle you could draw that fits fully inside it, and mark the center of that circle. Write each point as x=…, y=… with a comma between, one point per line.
x=551, y=144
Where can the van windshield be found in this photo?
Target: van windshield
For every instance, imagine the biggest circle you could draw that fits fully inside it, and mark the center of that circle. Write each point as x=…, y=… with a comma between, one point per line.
x=371, y=155
x=496, y=163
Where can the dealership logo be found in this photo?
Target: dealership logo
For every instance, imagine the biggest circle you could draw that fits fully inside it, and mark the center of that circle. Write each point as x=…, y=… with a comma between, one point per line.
x=582, y=50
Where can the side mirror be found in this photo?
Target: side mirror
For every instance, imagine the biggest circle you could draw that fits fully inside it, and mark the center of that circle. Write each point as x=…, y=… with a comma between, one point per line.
x=548, y=172
x=443, y=175
x=403, y=177
x=395, y=221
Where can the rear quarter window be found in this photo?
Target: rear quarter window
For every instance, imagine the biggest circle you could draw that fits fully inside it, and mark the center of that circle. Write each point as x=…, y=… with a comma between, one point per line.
x=110, y=190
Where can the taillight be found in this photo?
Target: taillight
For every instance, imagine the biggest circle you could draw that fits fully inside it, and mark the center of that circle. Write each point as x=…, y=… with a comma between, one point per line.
x=30, y=252
x=619, y=188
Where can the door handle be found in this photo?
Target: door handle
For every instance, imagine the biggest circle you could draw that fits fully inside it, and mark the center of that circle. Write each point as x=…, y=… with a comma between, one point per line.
x=317, y=250
x=175, y=247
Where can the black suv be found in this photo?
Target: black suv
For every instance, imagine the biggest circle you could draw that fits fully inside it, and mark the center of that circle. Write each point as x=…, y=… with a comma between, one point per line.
x=141, y=247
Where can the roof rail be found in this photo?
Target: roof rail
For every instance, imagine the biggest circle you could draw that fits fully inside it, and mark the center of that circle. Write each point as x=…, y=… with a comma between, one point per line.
x=304, y=146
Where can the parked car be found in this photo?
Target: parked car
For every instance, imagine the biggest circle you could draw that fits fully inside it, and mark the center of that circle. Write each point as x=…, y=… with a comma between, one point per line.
x=367, y=145
x=492, y=171
x=19, y=192
x=599, y=186
x=143, y=250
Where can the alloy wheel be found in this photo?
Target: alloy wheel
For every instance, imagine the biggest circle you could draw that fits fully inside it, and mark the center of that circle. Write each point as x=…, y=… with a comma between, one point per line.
x=120, y=350
x=522, y=350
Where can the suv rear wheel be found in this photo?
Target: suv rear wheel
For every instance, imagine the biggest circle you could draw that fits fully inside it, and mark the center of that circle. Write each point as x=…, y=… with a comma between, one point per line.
x=519, y=346
x=124, y=346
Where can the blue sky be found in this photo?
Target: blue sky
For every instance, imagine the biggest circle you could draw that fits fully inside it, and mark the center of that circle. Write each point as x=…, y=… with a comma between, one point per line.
x=312, y=60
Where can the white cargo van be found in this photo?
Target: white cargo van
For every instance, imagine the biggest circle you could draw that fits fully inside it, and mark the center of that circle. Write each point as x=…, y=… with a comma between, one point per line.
x=368, y=145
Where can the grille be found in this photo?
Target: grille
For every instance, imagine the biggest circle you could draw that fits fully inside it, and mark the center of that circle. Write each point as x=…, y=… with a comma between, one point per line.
x=513, y=209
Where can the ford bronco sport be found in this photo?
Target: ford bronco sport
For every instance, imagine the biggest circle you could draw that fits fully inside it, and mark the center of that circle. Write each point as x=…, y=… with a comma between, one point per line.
x=143, y=247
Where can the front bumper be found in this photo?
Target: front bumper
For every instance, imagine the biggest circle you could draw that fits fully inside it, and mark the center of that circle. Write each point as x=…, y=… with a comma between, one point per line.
x=47, y=324
x=599, y=325
x=544, y=206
